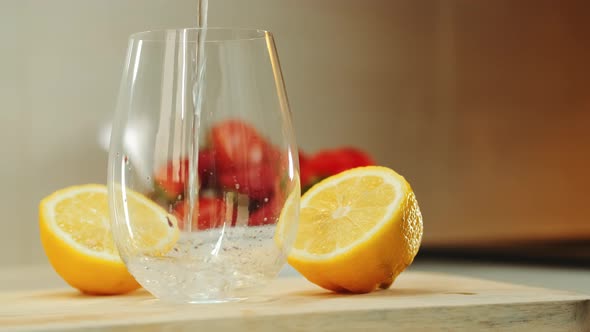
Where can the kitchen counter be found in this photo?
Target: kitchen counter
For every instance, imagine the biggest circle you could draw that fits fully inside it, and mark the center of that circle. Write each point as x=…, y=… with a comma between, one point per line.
x=575, y=279
x=432, y=295
x=569, y=278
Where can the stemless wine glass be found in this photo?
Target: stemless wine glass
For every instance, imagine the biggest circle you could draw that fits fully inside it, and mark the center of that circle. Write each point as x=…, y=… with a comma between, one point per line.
x=203, y=167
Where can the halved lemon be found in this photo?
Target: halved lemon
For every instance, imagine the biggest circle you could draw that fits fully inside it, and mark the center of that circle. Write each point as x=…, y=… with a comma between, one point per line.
x=358, y=230
x=76, y=236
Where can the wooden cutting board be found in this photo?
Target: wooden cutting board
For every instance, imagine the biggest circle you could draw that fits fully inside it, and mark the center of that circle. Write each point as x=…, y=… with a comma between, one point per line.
x=417, y=302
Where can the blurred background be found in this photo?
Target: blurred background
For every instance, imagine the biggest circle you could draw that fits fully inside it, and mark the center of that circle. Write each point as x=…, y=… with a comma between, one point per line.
x=482, y=105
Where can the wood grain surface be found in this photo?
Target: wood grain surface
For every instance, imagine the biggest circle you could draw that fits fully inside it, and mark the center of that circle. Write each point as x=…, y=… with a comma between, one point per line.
x=417, y=302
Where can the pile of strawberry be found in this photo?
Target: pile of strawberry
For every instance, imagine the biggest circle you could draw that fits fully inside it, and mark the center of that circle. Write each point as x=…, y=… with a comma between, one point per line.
x=240, y=167
x=237, y=167
x=325, y=163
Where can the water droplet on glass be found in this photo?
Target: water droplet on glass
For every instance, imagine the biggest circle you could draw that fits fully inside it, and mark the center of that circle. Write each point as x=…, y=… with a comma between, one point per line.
x=265, y=218
x=265, y=199
x=148, y=178
x=237, y=186
x=179, y=197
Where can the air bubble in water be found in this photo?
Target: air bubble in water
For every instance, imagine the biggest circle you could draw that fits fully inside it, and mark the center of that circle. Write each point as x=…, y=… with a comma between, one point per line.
x=250, y=259
x=265, y=199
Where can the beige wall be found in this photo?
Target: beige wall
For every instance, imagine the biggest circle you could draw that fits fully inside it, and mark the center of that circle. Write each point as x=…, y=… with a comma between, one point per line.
x=482, y=105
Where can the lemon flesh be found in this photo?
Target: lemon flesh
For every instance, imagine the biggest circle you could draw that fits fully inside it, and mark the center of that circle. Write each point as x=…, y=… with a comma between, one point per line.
x=358, y=230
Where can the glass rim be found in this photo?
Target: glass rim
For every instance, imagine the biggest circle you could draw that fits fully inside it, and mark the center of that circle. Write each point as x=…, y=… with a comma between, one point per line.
x=245, y=34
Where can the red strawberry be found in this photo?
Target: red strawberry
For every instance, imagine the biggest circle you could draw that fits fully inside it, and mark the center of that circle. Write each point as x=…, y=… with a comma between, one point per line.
x=267, y=214
x=207, y=168
x=256, y=182
x=171, y=178
x=238, y=145
x=212, y=213
x=329, y=162
x=303, y=158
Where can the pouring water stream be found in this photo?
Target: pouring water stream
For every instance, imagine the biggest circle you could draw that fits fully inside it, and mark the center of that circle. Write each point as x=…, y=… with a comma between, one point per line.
x=198, y=92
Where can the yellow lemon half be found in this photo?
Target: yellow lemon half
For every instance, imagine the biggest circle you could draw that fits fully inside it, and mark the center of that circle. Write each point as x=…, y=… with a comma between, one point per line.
x=358, y=230
x=76, y=236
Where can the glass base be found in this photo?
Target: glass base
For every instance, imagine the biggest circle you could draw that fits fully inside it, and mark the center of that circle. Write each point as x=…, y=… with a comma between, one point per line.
x=199, y=287
x=196, y=272
x=199, y=300
x=180, y=296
